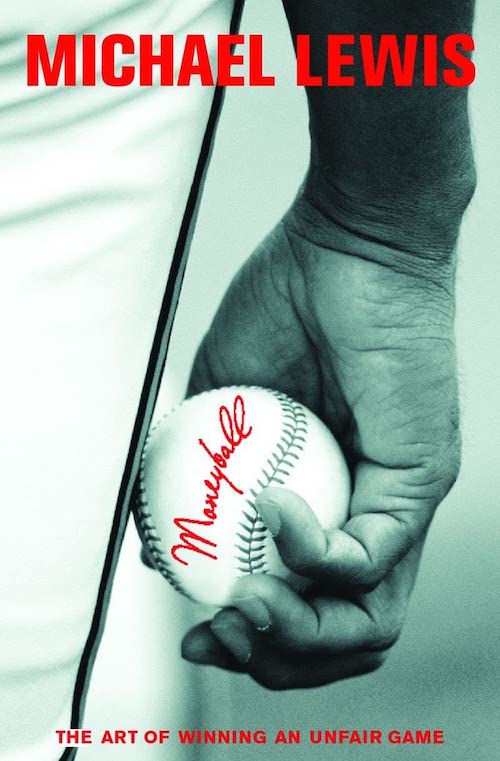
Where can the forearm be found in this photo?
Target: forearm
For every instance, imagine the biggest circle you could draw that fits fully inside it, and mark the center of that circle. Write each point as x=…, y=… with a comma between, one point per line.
x=392, y=164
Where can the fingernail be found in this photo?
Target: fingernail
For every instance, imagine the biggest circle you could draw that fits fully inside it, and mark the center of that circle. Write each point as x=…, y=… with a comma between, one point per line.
x=270, y=514
x=234, y=638
x=256, y=610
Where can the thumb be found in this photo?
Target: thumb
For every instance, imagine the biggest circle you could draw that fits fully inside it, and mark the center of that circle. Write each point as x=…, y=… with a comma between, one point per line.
x=390, y=509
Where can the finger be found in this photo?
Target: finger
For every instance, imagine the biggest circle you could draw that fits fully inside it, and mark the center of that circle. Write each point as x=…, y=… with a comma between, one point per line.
x=391, y=510
x=300, y=540
x=271, y=666
x=389, y=513
x=201, y=646
x=275, y=670
x=313, y=625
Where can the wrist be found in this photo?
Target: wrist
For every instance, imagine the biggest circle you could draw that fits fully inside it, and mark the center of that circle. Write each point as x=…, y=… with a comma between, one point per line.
x=398, y=229
x=313, y=223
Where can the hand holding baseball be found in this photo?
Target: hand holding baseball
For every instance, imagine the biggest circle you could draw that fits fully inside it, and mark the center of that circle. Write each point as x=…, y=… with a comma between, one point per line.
x=202, y=469
x=370, y=349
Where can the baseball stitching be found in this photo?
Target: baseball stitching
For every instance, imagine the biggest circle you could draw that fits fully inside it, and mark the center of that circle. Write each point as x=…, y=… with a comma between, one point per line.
x=149, y=534
x=250, y=555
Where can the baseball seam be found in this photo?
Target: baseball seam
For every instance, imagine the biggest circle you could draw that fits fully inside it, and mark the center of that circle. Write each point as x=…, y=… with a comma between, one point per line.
x=250, y=555
x=147, y=530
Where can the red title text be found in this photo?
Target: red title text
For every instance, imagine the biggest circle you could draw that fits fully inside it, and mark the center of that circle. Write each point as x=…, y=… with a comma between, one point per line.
x=236, y=60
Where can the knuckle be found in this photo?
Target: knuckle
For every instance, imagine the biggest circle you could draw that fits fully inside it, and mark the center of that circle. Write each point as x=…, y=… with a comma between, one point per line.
x=370, y=579
x=435, y=470
x=387, y=624
x=300, y=562
x=441, y=470
x=385, y=636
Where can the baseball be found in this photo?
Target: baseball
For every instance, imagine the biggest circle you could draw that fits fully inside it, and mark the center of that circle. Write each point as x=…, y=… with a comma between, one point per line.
x=201, y=470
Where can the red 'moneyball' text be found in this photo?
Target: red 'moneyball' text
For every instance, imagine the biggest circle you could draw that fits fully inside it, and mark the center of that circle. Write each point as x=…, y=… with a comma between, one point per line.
x=232, y=428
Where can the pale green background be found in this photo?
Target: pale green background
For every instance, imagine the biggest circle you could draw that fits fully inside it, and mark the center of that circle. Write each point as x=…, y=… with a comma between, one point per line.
x=445, y=671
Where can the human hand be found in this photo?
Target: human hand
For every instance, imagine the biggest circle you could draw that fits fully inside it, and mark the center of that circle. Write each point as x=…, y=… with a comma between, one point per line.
x=363, y=335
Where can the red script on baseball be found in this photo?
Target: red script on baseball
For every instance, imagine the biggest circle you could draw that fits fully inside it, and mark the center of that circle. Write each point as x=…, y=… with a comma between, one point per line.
x=232, y=426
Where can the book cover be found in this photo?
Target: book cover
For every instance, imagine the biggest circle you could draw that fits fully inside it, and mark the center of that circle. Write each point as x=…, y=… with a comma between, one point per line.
x=159, y=159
